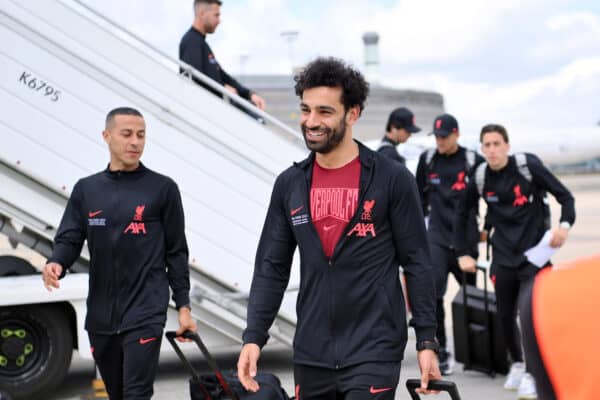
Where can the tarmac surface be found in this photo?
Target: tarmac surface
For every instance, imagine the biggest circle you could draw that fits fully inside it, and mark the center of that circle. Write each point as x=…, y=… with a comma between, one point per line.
x=172, y=380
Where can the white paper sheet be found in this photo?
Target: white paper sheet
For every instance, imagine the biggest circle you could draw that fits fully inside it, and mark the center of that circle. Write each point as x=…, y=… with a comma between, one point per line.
x=539, y=254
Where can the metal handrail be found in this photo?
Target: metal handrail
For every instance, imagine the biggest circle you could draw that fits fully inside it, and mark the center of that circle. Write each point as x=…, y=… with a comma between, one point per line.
x=190, y=72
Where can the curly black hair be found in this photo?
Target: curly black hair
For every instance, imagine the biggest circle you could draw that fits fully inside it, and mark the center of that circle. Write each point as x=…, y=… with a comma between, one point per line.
x=333, y=72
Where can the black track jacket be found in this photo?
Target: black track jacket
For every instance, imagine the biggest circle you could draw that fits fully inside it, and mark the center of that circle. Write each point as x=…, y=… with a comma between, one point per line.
x=441, y=184
x=134, y=226
x=515, y=209
x=388, y=148
x=350, y=308
x=194, y=50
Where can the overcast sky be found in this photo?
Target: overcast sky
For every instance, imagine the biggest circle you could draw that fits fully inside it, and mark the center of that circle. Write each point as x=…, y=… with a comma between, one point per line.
x=529, y=64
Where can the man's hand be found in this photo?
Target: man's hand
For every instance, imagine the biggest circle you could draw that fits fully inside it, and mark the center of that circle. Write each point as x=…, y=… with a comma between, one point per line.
x=186, y=323
x=258, y=101
x=247, y=366
x=430, y=370
x=230, y=89
x=467, y=264
x=50, y=275
x=559, y=237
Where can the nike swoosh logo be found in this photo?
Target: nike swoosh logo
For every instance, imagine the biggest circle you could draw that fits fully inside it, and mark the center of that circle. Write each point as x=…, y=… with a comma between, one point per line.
x=296, y=210
x=372, y=390
x=146, y=341
x=93, y=214
x=328, y=228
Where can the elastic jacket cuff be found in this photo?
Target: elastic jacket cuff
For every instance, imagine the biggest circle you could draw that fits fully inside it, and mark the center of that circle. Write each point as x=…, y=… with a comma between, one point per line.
x=259, y=339
x=181, y=300
x=425, y=334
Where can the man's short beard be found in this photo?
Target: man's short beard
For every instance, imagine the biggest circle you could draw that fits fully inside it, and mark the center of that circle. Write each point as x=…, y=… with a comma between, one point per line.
x=334, y=137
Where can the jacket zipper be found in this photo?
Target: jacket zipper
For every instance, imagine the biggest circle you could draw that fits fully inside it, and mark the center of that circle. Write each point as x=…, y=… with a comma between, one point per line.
x=116, y=263
x=330, y=261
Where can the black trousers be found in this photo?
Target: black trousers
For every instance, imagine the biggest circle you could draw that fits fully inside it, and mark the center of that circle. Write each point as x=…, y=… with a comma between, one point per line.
x=128, y=361
x=444, y=262
x=535, y=364
x=509, y=283
x=373, y=380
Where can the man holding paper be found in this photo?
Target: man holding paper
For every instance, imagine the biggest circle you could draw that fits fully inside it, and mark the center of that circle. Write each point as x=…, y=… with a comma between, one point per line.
x=514, y=188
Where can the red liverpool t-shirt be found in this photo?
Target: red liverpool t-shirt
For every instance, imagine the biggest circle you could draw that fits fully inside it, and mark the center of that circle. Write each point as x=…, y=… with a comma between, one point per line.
x=333, y=201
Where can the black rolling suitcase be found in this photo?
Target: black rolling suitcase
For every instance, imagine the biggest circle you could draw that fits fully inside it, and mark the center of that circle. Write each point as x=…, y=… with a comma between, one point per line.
x=444, y=386
x=478, y=338
x=224, y=385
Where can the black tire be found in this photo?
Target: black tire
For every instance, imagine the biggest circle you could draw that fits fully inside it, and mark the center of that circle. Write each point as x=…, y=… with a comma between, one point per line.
x=15, y=266
x=35, y=362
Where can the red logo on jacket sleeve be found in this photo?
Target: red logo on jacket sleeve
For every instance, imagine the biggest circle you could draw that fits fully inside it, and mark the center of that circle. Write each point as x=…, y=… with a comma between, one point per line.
x=519, y=198
x=460, y=182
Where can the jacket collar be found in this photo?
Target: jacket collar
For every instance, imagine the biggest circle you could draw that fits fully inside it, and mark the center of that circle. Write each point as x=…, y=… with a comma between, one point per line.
x=386, y=139
x=365, y=155
x=193, y=29
x=139, y=171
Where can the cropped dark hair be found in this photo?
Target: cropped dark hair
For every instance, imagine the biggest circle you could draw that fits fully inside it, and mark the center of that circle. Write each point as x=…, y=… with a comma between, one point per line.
x=333, y=72
x=196, y=2
x=110, y=117
x=493, y=128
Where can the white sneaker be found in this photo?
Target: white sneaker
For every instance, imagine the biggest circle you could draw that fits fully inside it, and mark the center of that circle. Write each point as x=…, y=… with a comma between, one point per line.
x=446, y=362
x=513, y=380
x=527, y=388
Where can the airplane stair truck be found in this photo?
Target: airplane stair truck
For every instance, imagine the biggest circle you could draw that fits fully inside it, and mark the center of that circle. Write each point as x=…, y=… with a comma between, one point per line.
x=62, y=68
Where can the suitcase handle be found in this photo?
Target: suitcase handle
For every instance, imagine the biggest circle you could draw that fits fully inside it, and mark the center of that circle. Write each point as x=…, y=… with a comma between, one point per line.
x=172, y=335
x=483, y=267
x=445, y=386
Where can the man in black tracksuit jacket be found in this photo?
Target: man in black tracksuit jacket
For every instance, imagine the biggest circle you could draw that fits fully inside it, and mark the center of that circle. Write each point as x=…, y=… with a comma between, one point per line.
x=399, y=127
x=194, y=50
x=132, y=219
x=514, y=192
x=442, y=176
x=351, y=330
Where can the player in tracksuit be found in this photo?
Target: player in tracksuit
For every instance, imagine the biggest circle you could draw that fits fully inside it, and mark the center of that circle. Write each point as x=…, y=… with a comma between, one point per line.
x=354, y=216
x=399, y=127
x=195, y=51
x=442, y=175
x=132, y=219
x=514, y=189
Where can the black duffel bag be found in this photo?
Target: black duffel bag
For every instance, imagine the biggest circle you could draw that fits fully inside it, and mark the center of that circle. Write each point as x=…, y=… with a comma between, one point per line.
x=224, y=385
x=270, y=387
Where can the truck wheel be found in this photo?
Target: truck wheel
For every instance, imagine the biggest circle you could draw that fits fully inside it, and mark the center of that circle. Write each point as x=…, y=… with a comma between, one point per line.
x=36, y=345
x=15, y=266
